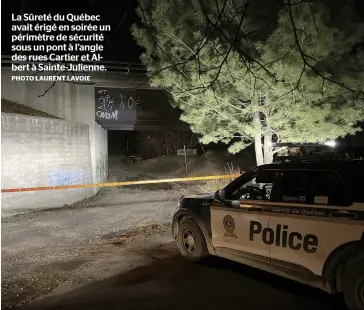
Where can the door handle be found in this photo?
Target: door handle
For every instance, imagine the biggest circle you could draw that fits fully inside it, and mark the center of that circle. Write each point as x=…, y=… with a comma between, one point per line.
x=256, y=209
x=343, y=214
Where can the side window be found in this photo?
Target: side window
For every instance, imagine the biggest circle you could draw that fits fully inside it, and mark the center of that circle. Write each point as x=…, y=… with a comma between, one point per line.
x=313, y=187
x=352, y=183
x=309, y=187
x=319, y=187
x=256, y=188
x=342, y=193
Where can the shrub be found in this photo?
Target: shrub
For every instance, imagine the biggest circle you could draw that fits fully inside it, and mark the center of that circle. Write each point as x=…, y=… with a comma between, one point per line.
x=159, y=143
x=215, y=185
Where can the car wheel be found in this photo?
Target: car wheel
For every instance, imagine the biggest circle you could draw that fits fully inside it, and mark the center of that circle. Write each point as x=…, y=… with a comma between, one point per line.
x=190, y=240
x=353, y=282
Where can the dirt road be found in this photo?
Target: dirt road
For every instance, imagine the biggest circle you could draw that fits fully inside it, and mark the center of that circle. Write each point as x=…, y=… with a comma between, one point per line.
x=150, y=274
x=40, y=251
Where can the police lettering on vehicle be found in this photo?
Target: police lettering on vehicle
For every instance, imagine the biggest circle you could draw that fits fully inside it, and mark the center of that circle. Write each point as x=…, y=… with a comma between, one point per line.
x=283, y=238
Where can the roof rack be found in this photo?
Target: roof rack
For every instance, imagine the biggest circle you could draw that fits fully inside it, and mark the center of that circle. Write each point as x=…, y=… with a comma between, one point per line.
x=311, y=158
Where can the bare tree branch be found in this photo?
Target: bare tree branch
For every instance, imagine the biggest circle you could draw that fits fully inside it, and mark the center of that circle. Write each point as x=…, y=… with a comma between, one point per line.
x=52, y=85
x=304, y=56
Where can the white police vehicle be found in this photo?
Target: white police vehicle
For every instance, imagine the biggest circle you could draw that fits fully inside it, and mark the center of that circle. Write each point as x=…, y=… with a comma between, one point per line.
x=301, y=218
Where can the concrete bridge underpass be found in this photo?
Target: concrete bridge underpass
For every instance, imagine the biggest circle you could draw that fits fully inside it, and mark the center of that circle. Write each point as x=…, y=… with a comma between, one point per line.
x=70, y=144
x=119, y=99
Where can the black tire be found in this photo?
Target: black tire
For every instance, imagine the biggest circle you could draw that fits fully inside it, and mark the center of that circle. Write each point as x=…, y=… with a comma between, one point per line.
x=353, y=282
x=191, y=251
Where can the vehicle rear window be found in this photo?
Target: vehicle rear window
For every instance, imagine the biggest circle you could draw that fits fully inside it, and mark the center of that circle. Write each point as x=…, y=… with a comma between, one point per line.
x=315, y=187
x=353, y=177
x=303, y=186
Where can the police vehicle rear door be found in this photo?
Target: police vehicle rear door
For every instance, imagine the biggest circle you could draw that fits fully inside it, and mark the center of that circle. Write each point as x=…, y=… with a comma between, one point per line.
x=309, y=219
x=233, y=220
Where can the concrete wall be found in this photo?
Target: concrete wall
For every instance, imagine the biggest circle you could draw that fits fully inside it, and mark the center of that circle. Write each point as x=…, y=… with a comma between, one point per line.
x=38, y=152
x=101, y=151
x=71, y=102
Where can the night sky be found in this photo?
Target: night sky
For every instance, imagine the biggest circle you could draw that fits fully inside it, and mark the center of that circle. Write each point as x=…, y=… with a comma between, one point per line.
x=120, y=15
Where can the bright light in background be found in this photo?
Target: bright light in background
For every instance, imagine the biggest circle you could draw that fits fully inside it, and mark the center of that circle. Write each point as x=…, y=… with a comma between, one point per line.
x=330, y=143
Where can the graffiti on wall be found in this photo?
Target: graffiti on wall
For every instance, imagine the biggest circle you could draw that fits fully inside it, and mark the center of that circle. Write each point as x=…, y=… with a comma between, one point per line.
x=101, y=168
x=115, y=104
x=68, y=177
x=105, y=105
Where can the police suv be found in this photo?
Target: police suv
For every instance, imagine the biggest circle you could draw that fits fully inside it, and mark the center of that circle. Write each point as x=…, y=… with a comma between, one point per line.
x=300, y=217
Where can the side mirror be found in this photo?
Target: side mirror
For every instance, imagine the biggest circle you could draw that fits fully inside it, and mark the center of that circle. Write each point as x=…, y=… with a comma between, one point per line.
x=220, y=195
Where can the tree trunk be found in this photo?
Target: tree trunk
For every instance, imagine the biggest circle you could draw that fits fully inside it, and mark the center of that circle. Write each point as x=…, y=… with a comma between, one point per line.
x=263, y=149
x=258, y=140
x=259, y=150
x=268, y=149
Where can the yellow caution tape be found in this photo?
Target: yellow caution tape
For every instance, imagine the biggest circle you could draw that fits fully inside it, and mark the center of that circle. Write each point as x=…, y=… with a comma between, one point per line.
x=47, y=188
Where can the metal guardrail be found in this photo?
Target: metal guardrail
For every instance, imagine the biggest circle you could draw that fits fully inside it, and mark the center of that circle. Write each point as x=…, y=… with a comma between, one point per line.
x=113, y=66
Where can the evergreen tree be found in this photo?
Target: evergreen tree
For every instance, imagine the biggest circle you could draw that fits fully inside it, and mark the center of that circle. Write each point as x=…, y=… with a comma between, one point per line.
x=302, y=82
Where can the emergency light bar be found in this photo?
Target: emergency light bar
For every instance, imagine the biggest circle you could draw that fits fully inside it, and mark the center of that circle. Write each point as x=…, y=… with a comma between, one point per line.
x=311, y=158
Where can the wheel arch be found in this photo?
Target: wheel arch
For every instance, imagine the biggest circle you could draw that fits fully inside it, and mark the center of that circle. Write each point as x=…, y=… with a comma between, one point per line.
x=185, y=213
x=332, y=269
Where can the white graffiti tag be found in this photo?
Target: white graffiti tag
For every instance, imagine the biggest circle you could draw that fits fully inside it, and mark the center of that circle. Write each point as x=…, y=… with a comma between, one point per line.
x=102, y=91
x=129, y=103
x=107, y=115
x=106, y=103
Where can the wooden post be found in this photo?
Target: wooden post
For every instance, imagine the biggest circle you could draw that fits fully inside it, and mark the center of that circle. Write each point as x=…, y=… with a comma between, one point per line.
x=184, y=147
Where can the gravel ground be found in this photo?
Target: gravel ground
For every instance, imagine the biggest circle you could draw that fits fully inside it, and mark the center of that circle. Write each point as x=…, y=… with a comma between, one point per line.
x=40, y=251
x=115, y=251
